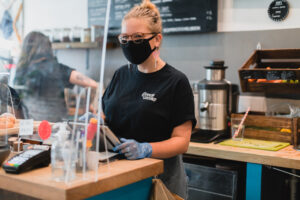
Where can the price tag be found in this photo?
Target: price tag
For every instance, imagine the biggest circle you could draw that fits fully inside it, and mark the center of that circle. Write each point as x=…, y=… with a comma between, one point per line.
x=26, y=127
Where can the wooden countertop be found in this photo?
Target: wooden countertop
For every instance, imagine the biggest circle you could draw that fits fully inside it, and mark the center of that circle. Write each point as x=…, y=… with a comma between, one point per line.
x=37, y=183
x=286, y=157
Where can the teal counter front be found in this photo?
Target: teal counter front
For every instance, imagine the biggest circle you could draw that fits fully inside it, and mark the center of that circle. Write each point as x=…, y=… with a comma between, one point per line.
x=255, y=158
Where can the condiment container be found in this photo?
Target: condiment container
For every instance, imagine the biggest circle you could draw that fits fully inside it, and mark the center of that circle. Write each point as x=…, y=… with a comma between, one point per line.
x=76, y=34
x=96, y=33
x=65, y=35
x=56, y=35
x=48, y=33
x=85, y=35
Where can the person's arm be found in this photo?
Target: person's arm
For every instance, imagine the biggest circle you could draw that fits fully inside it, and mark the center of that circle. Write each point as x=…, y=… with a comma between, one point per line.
x=177, y=144
x=78, y=78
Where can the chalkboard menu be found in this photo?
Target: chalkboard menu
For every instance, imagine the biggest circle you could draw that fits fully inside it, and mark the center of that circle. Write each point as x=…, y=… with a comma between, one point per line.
x=178, y=16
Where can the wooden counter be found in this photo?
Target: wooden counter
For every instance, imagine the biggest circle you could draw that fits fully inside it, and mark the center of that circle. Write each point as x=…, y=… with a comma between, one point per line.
x=37, y=183
x=286, y=157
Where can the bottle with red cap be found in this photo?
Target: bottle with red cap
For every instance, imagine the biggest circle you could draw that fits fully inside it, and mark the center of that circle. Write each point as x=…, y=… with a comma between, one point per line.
x=91, y=130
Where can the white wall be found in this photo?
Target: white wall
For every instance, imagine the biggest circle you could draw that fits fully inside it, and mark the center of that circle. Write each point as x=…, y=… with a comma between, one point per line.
x=234, y=16
x=50, y=14
x=248, y=15
x=44, y=14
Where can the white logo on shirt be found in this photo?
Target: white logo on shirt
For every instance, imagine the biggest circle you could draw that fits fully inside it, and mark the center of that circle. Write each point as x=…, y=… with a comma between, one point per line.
x=147, y=96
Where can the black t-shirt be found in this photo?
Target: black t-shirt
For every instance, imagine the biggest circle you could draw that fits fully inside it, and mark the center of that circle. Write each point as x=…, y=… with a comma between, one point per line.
x=45, y=78
x=147, y=106
x=44, y=94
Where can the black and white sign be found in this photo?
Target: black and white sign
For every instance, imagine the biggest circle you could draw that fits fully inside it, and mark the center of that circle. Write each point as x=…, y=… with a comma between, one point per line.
x=278, y=10
x=178, y=16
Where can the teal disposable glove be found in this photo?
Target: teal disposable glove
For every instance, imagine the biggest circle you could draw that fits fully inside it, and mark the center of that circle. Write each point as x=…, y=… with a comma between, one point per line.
x=134, y=150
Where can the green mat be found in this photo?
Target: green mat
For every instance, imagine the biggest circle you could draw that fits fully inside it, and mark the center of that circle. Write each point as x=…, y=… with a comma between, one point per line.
x=256, y=144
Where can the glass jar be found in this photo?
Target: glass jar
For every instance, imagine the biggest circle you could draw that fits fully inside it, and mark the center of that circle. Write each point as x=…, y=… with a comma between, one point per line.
x=48, y=33
x=63, y=156
x=76, y=34
x=96, y=33
x=56, y=35
x=85, y=35
x=65, y=35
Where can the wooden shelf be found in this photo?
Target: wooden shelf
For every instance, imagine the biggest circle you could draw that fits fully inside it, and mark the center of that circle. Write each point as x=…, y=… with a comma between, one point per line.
x=76, y=45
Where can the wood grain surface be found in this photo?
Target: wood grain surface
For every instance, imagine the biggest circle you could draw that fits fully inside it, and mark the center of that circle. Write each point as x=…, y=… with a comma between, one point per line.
x=37, y=183
x=286, y=157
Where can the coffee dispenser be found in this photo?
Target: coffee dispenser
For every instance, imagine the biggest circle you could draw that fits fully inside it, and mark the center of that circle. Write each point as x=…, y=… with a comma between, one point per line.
x=213, y=103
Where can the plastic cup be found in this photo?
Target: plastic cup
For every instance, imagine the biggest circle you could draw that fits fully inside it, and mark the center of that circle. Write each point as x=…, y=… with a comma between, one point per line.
x=236, y=132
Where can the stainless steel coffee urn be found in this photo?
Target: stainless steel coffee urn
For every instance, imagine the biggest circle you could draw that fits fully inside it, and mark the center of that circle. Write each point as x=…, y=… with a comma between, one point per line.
x=213, y=103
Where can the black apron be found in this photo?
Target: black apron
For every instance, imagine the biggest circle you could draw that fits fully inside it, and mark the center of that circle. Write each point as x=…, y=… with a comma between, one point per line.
x=174, y=176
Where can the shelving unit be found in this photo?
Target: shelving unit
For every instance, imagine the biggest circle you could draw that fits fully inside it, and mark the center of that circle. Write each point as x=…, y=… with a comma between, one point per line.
x=83, y=45
x=76, y=45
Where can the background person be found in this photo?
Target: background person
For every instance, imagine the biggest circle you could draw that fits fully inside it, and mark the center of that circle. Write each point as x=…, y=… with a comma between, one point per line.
x=45, y=79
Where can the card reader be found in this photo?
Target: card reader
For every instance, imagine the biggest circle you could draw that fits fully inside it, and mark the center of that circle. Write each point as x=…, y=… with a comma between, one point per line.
x=37, y=156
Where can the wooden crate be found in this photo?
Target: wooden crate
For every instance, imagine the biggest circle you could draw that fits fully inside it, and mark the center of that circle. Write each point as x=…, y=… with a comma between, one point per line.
x=284, y=65
x=296, y=124
x=271, y=128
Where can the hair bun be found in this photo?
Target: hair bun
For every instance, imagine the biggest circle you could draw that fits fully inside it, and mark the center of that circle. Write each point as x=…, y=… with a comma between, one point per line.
x=146, y=11
x=147, y=4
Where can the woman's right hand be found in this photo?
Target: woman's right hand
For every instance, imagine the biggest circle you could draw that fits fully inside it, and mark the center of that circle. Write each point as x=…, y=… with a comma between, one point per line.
x=134, y=150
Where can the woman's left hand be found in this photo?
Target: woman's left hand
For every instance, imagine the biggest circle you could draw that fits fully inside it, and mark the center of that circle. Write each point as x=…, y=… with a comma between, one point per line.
x=134, y=150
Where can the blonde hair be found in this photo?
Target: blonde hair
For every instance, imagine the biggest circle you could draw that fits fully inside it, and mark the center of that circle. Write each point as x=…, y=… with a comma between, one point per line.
x=149, y=12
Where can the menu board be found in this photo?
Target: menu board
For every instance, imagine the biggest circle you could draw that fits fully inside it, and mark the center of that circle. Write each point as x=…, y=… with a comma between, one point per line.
x=178, y=16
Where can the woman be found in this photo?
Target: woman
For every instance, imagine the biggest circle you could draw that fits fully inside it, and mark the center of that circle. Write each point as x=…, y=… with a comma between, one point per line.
x=44, y=79
x=149, y=102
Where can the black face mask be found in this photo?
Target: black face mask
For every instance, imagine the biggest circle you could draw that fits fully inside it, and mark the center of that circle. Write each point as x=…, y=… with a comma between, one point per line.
x=137, y=53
